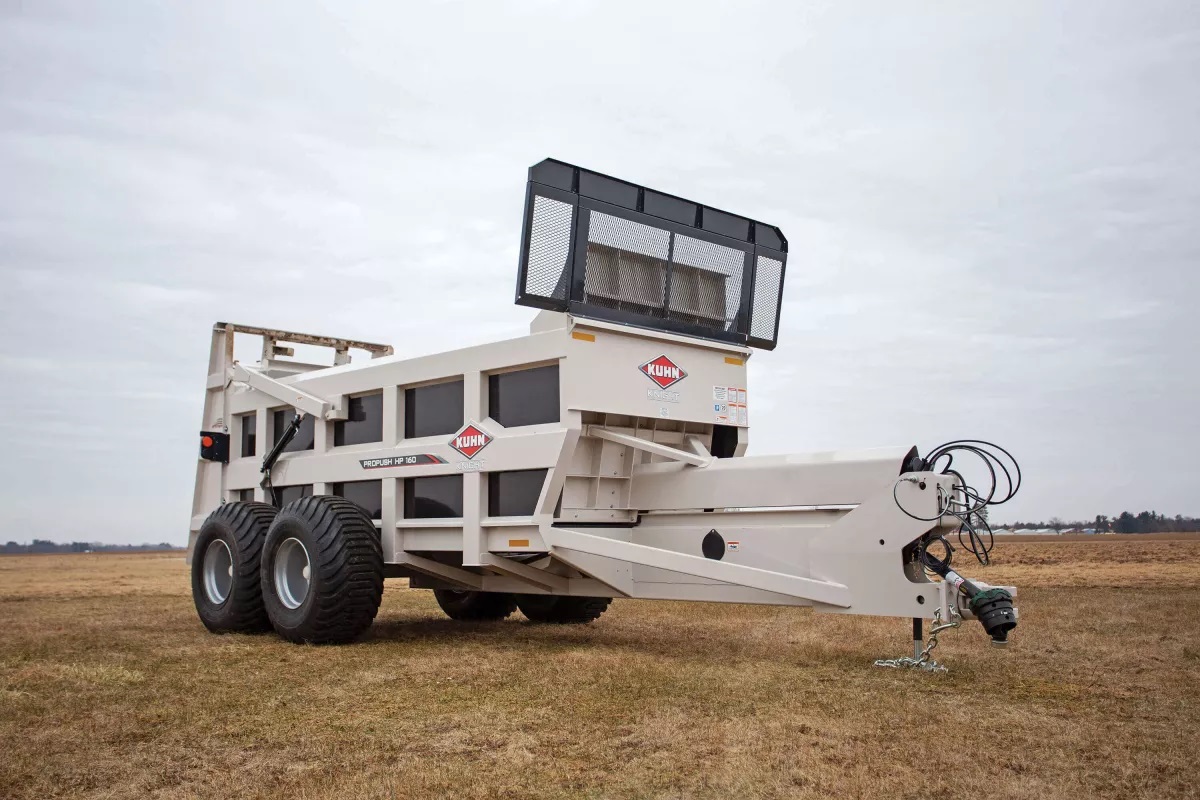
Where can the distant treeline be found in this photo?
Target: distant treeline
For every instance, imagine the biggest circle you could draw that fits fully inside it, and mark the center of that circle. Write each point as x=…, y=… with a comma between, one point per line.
x=1125, y=522
x=47, y=546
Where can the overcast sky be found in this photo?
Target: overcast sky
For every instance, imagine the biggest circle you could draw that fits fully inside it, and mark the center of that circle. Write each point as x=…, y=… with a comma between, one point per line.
x=993, y=213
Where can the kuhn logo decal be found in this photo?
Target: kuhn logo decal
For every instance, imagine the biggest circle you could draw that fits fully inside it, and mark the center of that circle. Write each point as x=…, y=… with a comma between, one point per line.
x=663, y=371
x=470, y=440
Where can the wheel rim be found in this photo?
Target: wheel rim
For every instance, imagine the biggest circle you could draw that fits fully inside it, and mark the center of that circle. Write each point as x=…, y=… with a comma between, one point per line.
x=293, y=573
x=218, y=571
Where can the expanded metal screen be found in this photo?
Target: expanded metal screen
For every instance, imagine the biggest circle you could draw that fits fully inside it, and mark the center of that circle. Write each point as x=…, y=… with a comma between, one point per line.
x=603, y=248
x=764, y=309
x=549, y=252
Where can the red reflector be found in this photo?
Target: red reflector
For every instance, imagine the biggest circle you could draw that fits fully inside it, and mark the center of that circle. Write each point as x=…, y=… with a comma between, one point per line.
x=206, y=441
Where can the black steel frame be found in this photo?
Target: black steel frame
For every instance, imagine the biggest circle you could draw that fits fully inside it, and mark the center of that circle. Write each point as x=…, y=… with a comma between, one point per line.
x=582, y=189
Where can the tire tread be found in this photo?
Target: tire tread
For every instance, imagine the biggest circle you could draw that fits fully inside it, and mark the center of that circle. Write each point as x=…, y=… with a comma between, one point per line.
x=562, y=610
x=475, y=606
x=348, y=559
x=248, y=522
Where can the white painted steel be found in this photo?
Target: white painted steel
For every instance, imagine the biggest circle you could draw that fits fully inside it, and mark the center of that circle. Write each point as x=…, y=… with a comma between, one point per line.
x=792, y=585
x=294, y=397
x=812, y=479
x=675, y=454
x=538, y=577
x=446, y=572
x=632, y=484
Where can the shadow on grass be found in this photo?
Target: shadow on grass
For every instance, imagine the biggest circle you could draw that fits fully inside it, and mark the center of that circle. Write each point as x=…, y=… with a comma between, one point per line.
x=716, y=645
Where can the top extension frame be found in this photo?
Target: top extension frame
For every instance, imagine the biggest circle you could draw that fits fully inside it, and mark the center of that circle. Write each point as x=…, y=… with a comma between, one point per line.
x=599, y=247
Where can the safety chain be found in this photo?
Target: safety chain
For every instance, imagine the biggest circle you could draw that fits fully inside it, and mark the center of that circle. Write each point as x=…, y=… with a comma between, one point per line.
x=925, y=662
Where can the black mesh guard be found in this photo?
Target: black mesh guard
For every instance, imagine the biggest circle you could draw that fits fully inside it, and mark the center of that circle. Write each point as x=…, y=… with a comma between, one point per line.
x=603, y=248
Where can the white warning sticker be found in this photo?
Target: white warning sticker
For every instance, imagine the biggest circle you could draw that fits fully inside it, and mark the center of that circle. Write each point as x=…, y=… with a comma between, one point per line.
x=730, y=405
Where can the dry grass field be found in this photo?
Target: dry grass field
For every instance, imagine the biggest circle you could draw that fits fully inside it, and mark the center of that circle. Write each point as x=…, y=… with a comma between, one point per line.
x=110, y=687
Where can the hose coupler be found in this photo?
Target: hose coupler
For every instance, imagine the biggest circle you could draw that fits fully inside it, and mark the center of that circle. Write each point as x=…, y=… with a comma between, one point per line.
x=994, y=609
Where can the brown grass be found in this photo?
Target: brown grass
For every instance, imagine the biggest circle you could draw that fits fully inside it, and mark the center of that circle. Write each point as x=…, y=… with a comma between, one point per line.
x=1102, y=538
x=109, y=687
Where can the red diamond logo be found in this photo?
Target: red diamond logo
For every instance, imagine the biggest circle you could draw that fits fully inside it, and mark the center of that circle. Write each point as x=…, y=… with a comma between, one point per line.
x=470, y=440
x=663, y=371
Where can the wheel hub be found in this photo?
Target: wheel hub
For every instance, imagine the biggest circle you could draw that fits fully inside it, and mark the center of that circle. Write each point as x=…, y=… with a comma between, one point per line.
x=218, y=571
x=293, y=573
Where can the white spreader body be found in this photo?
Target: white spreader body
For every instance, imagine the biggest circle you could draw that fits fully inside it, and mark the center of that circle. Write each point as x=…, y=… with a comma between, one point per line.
x=603, y=455
x=631, y=486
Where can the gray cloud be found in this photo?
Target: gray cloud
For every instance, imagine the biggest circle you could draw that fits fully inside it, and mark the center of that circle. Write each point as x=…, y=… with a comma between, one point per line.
x=992, y=212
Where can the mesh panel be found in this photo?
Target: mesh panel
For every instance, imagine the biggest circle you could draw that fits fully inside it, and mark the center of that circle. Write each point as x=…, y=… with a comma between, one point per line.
x=627, y=268
x=767, y=277
x=626, y=265
x=549, y=247
x=706, y=283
